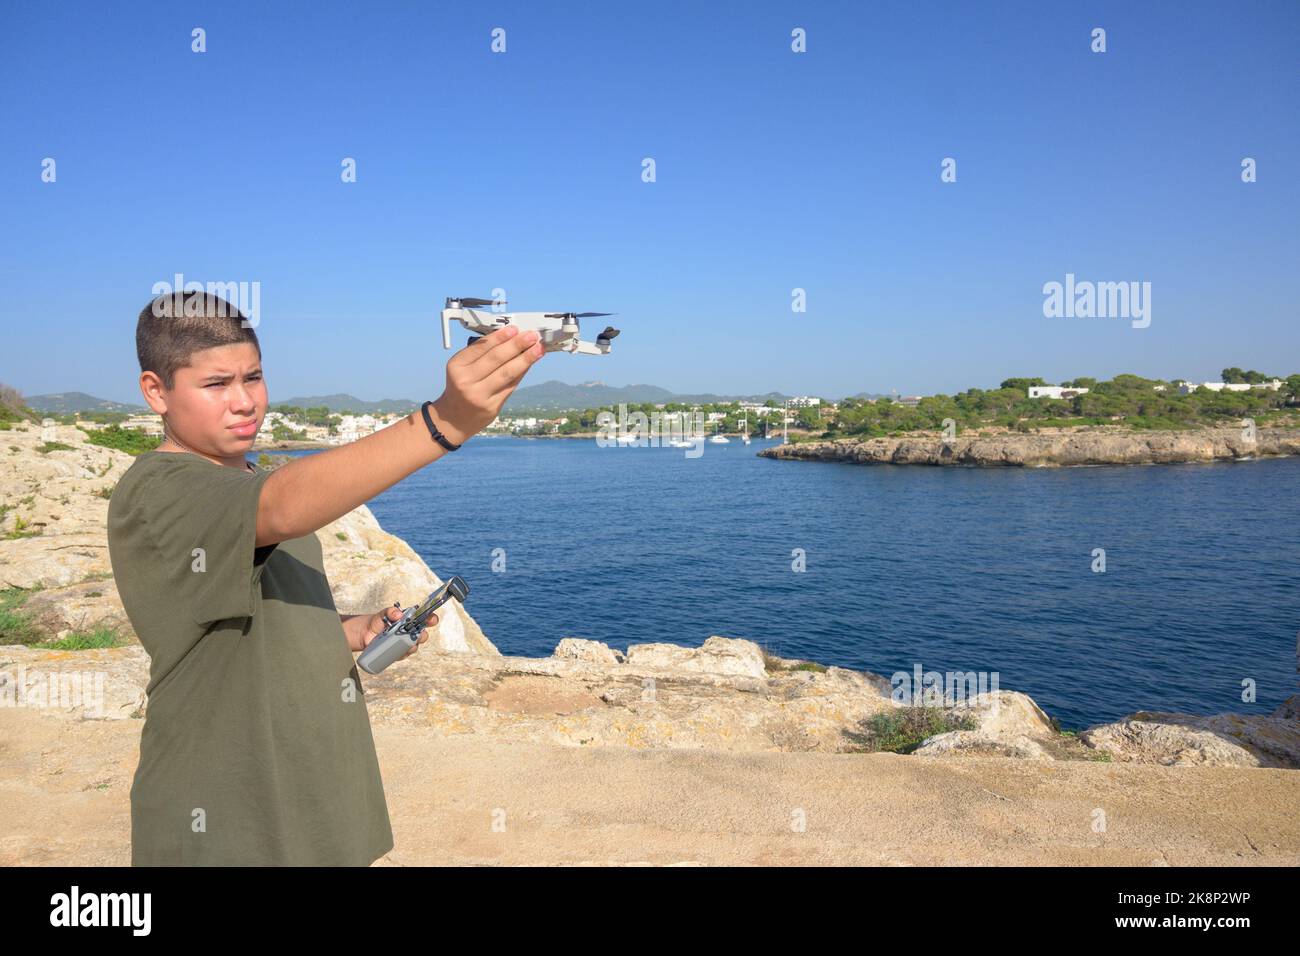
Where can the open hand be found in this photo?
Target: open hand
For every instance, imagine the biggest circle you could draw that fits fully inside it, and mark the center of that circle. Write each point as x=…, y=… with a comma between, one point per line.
x=481, y=376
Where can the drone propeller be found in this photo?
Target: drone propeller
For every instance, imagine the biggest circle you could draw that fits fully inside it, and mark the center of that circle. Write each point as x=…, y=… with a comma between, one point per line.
x=474, y=303
x=608, y=334
x=576, y=315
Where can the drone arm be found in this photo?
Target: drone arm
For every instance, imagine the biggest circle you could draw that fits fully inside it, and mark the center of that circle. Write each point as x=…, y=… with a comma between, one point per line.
x=588, y=348
x=446, y=331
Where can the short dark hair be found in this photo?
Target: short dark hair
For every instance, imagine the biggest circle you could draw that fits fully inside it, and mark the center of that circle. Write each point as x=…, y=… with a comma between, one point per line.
x=173, y=326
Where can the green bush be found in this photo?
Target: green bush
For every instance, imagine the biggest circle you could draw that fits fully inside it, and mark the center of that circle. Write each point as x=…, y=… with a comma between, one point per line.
x=285, y=433
x=15, y=628
x=21, y=529
x=903, y=730
x=130, y=440
x=83, y=640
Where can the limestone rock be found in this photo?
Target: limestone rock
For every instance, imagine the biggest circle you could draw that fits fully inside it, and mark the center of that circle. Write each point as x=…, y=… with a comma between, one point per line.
x=1231, y=740
x=1092, y=445
x=107, y=684
x=593, y=652
x=968, y=742
x=1005, y=713
x=1008, y=723
x=1289, y=709
x=718, y=655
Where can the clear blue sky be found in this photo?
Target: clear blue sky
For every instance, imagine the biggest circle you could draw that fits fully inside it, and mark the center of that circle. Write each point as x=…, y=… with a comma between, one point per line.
x=775, y=171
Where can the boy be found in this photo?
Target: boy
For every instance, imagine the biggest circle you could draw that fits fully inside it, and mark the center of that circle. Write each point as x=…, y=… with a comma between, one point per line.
x=256, y=748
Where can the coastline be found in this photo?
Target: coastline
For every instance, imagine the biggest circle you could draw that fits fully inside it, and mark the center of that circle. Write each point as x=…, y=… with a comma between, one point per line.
x=1054, y=448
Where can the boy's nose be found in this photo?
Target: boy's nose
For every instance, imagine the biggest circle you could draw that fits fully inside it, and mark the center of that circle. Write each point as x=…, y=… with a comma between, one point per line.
x=242, y=400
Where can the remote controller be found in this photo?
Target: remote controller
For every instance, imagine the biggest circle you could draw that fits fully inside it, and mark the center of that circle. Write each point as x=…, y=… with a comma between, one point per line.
x=401, y=635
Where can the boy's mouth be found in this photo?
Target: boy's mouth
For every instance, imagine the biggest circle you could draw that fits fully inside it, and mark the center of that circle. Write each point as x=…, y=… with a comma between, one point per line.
x=245, y=430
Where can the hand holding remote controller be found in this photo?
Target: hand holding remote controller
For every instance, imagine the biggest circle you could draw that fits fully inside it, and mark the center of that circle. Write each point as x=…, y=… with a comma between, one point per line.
x=403, y=634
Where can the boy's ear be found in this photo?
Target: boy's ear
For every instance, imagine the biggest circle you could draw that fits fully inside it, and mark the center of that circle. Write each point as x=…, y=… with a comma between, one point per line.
x=151, y=387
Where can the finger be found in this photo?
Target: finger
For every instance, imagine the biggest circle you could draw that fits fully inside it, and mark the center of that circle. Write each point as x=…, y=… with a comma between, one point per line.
x=511, y=373
x=424, y=631
x=485, y=343
x=492, y=359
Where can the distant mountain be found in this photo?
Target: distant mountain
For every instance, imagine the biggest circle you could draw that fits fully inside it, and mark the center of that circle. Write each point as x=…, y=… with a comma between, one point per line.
x=557, y=396
x=348, y=403
x=63, y=403
x=548, y=396
x=868, y=395
x=560, y=396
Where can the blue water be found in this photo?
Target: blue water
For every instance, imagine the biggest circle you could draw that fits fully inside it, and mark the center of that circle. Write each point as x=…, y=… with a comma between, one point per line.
x=954, y=569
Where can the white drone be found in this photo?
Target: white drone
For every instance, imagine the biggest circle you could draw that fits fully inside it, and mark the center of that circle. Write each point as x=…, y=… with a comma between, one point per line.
x=558, y=330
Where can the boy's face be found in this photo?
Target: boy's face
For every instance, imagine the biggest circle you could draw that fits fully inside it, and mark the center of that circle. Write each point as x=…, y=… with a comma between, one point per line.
x=217, y=402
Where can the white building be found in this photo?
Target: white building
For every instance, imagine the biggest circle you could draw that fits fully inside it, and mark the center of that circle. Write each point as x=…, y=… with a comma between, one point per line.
x=1188, y=387
x=804, y=401
x=352, y=427
x=149, y=424
x=1054, y=391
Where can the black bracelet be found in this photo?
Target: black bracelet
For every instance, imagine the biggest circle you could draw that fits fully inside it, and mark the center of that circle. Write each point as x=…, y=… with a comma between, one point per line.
x=438, y=436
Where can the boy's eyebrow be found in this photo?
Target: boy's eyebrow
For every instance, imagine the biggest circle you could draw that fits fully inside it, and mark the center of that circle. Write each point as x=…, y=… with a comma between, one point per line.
x=227, y=376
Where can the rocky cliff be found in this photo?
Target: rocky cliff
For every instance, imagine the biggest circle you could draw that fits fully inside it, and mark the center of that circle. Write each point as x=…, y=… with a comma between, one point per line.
x=1051, y=448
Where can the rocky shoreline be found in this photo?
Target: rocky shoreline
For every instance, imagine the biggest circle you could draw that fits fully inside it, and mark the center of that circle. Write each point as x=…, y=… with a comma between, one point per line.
x=1051, y=448
x=726, y=694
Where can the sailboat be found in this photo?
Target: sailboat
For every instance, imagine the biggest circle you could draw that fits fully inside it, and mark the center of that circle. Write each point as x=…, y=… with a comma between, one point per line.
x=718, y=439
x=681, y=441
x=744, y=430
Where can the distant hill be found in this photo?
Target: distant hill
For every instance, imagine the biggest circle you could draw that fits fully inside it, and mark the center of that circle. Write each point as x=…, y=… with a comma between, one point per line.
x=556, y=395
x=64, y=403
x=548, y=396
x=348, y=403
x=865, y=395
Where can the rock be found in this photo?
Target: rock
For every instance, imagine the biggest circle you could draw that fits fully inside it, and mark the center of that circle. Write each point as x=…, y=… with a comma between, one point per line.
x=719, y=655
x=97, y=684
x=85, y=607
x=1006, y=713
x=1009, y=724
x=1051, y=447
x=972, y=742
x=573, y=701
x=593, y=652
x=56, y=496
x=1289, y=709
x=1230, y=740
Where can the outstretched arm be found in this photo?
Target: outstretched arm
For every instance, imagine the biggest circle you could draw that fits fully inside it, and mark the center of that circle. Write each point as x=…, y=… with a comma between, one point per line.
x=308, y=493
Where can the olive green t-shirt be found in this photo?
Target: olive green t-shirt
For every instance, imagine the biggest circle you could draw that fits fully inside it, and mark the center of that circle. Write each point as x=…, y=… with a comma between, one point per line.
x=256, y=748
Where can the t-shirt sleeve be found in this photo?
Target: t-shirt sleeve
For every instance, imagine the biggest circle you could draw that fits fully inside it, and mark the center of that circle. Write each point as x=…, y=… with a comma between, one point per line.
x=203, y=521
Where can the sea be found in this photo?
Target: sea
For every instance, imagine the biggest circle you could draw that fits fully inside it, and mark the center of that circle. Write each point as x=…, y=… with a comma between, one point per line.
x=1098, y=591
